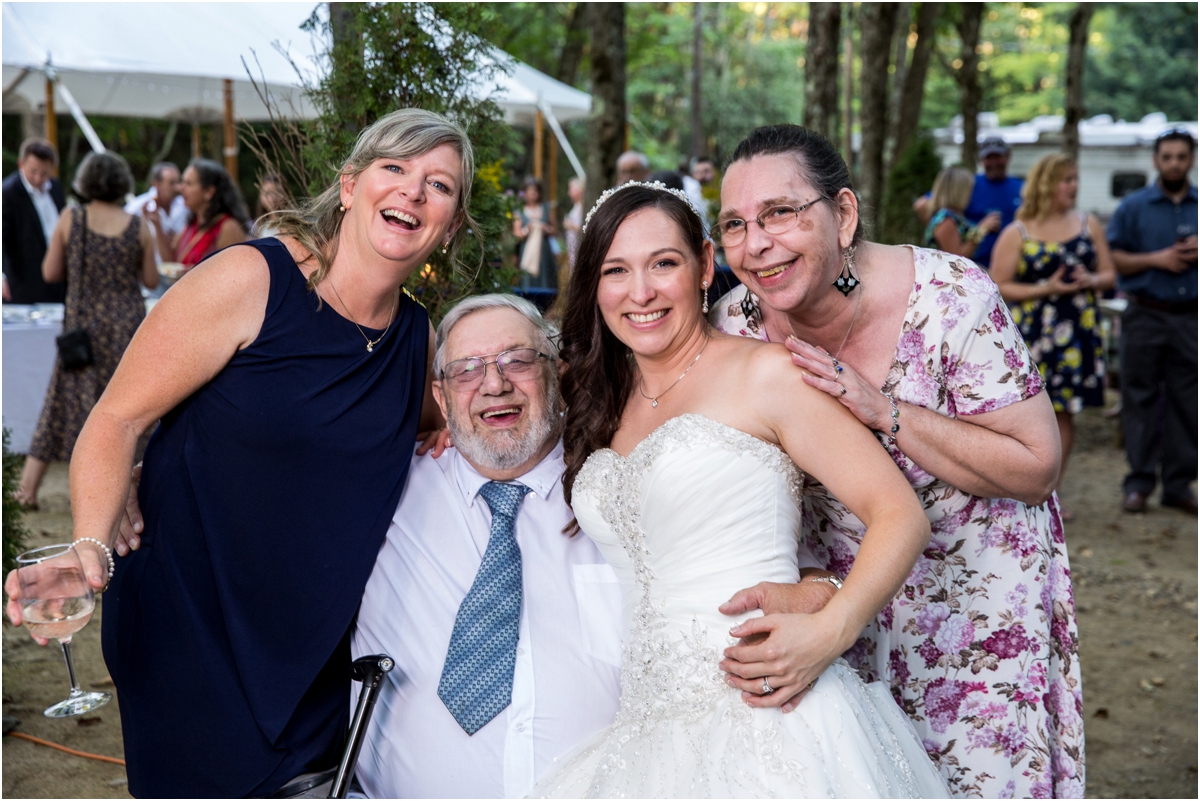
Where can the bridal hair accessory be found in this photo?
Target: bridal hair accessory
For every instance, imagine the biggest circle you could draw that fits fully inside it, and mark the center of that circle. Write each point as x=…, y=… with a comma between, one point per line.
x=654, y=400
x=846, y=282
x=890, y=439
x=656, y=185
x=704, y=295
x=767, y=688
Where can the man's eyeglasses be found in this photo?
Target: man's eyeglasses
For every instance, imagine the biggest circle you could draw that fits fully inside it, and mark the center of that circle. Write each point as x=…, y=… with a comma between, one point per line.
x=516, y=365
x=775, y=220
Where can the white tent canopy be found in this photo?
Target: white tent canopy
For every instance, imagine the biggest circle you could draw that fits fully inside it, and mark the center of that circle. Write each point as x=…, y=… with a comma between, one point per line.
x=169, y=60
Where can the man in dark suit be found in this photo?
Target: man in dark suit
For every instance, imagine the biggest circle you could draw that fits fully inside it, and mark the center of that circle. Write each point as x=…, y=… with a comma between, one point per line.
x=31, y=201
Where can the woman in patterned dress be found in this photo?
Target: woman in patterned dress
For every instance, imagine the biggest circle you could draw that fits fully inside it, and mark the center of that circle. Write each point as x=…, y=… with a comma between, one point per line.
x=1049, y=264
x=105, y=254
x=980, y=645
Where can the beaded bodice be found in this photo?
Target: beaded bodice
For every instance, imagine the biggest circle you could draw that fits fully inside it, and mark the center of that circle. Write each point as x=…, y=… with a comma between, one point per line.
x=696, y=512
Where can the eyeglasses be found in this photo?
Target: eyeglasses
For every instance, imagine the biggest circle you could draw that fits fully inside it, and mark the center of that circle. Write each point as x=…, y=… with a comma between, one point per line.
x=515, y=365
x=774, y=220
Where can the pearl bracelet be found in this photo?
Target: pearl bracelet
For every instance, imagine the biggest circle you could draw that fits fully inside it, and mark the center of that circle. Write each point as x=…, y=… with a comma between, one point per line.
x=112, y=566
x=890, y=439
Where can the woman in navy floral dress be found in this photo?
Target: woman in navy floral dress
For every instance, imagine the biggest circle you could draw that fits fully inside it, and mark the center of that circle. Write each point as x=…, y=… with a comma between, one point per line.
x=1049, y=265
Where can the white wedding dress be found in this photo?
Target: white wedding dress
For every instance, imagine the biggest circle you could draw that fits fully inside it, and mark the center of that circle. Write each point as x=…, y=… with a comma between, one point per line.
x=695, y=513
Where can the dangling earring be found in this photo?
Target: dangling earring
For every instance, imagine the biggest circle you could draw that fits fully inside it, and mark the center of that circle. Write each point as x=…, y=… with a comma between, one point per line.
x=704, y=295
x=444, y=245
x=846, y=282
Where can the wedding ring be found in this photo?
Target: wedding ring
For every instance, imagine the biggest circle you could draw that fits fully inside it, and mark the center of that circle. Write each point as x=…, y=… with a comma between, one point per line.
x=767, y=688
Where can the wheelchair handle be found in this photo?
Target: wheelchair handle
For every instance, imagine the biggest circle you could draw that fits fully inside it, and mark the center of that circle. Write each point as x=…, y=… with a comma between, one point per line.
x=370, y=670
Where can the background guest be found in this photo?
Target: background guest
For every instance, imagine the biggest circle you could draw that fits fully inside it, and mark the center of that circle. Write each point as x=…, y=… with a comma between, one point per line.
x=948, y=229
x=1153, y=238
x=272, y=196
x=1049, y=265
x=994, y=191
x=533, y=227
x=32, y=200
x=164, y=196
x=217, y=216
x=104, y=252
x=632, y=166
x=573, y=222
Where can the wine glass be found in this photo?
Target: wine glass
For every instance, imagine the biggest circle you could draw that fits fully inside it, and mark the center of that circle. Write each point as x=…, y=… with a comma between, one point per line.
x=56, y=602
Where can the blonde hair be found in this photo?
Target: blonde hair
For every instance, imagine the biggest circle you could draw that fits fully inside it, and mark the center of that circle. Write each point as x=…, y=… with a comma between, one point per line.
x=1037, y=195
x=403, y=134
x=952, y=189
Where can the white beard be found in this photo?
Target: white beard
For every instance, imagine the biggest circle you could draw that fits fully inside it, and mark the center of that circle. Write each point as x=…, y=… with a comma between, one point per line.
x=506, y=449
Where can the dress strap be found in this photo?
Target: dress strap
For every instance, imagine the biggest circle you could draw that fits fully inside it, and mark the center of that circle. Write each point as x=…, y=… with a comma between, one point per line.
x=1024, y=231
x=1083, y=220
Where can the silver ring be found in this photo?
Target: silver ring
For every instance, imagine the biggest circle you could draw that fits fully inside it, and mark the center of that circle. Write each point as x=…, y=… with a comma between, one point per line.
x=767, y=688
x=843, y=390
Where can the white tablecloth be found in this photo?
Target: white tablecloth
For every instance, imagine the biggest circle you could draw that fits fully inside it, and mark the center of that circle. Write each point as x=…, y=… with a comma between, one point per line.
x=29, y=354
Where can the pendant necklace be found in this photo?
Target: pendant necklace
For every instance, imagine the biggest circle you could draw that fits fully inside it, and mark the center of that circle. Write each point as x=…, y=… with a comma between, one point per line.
x=371, y=343
x=853, y=320
x=654, y=400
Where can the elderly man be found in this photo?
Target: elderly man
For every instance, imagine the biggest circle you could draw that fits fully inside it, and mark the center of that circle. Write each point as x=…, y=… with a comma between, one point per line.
x=477, y=544
x=632, y=166
x=32, y=198
x=1153, y=240
x=164, y=196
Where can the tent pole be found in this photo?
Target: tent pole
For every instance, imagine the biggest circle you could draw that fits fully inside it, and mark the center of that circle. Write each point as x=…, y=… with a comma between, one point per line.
x=51, y=120
x=538, y=146
x=81, y=119
x=195, y=140
x=562, y=140
x=552, y=173
x=231, y=149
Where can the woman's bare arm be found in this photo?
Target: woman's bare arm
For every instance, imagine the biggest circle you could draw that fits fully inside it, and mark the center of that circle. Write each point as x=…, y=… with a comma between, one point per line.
x=231, y=233
x=54, y=264
x=149, y=264
x=948, y=239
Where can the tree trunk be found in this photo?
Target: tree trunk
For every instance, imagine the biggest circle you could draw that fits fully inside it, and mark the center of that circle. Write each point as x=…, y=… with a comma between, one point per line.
x=968, y=79
x=848, y=89
x=697, y=67
x=896, y=85
x=606, y=124
x=821, y=69
x=347, y=53
x=909, y=119
x=877, y=22
x=1081, y=17
x=573, y=42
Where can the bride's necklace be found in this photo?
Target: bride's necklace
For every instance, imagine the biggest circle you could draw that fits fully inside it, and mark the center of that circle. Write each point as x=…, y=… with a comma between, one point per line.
x=853, y=320
x=654, y=400
x=371, y=343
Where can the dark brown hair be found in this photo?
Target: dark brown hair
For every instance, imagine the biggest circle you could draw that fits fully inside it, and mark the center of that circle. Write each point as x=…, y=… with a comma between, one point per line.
x=600, y=372
x=104, y=177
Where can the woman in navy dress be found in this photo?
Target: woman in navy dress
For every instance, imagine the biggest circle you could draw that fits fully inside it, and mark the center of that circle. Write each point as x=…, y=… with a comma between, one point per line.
x=291, y=377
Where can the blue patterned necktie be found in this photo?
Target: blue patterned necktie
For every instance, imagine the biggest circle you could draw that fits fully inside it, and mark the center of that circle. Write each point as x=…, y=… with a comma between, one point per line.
x=477, y=678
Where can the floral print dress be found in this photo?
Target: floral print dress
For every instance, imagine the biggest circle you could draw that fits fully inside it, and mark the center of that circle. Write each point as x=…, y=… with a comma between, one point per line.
x=980, y=647
x=1062, y=332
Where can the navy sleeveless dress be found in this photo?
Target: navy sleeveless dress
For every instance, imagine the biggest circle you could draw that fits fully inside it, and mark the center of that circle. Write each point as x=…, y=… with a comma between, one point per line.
x=267, y=495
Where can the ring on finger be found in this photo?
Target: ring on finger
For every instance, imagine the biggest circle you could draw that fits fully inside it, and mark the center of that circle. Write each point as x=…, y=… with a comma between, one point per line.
x=811, y=684
x=767, y=688
x=837, y=365
x=843, y=392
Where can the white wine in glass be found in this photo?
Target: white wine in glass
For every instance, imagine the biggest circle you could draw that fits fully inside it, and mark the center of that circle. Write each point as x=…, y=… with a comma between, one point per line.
x=56, y=602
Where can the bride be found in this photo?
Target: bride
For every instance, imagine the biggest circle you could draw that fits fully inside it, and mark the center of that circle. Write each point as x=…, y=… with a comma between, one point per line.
x=684, y=448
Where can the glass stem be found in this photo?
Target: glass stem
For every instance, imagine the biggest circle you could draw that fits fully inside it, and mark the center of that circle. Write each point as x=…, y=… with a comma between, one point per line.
x=66, y=648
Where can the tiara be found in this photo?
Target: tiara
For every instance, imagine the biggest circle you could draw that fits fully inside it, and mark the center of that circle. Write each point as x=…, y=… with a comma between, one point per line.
x=656, y=185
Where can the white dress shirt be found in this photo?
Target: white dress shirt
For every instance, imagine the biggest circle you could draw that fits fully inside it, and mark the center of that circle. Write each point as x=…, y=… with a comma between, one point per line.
x=43, y=204
x=695, y=192
x=174, y=220
x=566, y=683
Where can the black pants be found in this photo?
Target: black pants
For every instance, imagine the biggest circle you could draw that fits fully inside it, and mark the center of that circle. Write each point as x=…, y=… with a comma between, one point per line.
x=1158, y=399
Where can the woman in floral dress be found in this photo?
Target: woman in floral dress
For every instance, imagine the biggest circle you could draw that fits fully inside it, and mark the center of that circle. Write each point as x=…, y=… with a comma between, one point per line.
x=980, y=646
x=1049, y=264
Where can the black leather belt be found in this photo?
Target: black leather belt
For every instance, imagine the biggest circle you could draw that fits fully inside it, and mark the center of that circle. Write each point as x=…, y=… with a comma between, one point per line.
x=1182, y=307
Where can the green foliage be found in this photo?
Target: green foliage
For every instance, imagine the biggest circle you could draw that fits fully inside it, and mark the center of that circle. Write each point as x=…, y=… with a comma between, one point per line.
x=15, y=532
x=412, y=55
x=1142, y=58
x=911, y=176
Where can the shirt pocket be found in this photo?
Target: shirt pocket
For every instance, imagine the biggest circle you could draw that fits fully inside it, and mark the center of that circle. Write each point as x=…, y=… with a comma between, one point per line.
x=598, y=598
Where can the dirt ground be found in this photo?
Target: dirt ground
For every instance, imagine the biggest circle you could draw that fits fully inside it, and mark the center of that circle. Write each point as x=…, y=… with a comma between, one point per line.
x=1135, y=587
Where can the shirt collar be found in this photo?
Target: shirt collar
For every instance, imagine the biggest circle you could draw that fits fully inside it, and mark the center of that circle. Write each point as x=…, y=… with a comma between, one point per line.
x=1156, y=193
x=541, y=479
x=30, y=187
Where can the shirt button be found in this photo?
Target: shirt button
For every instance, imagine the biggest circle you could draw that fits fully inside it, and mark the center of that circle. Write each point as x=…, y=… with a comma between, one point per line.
x=520, y=727
x=521, y=651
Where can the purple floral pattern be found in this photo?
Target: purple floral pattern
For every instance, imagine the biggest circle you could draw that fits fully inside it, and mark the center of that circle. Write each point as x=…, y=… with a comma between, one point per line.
x=980, y=647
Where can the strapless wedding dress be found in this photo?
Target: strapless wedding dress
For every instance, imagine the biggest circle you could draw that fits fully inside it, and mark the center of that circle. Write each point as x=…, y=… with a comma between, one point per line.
x=695, y=513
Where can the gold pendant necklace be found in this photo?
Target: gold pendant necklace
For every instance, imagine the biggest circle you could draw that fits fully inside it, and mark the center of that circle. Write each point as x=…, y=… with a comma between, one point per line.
x=654, y=400
x=371, y=343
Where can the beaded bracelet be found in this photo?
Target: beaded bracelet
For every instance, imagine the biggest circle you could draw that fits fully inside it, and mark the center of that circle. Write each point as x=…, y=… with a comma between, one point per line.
x=890, y=439
x=112, y=566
